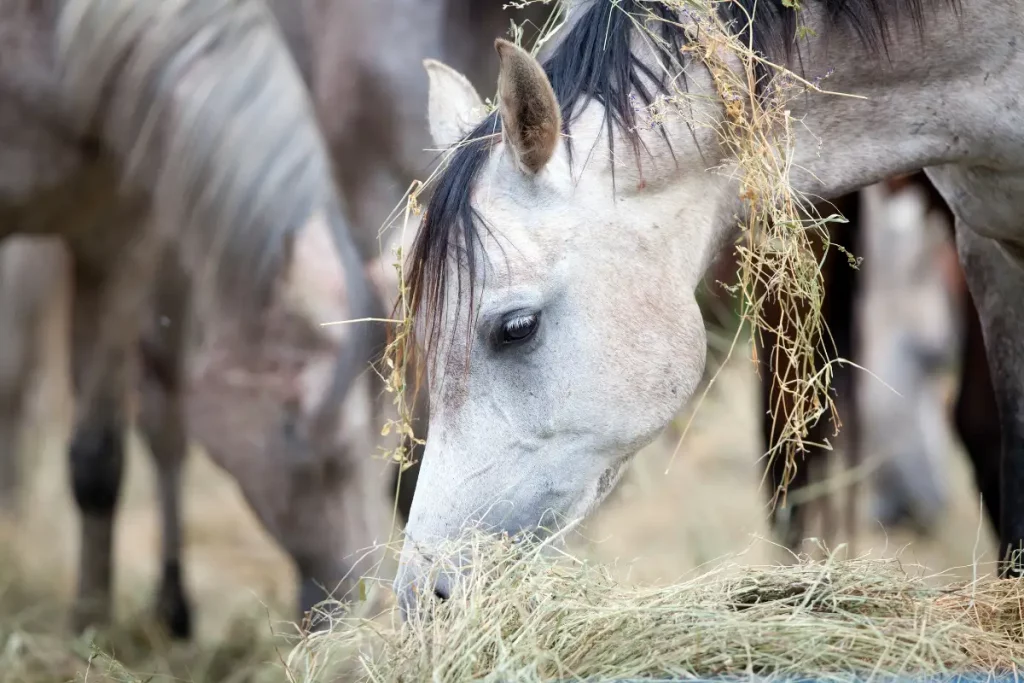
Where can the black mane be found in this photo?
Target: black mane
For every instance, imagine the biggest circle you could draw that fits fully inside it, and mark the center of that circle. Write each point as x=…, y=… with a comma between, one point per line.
x=594, y=60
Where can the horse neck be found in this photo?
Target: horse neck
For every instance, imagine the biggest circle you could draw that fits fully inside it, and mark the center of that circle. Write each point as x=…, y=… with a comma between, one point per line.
x=919, y=105
x=925, y=103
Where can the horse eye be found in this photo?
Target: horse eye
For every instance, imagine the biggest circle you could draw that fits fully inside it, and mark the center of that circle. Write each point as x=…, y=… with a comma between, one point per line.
x=519, y=328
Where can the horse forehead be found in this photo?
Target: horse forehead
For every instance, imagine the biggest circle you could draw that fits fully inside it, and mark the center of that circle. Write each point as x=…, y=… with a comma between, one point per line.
x=521, y=247
x=556, y=182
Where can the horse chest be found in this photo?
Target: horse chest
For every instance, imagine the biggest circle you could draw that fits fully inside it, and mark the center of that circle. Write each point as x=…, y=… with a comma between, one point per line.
x=45, y=170
x=49, y=185
x=31, y=158
x=988, y=201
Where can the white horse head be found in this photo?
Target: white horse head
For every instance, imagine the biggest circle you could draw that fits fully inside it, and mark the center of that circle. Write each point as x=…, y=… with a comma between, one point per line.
x=567, y=337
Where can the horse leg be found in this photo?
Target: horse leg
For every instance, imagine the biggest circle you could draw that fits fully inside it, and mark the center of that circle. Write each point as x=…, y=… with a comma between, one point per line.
x=976, y=414
x=16, y=360
x=162, y=423
x=995, y=283
x=14, y=382
x=29, y=267
x=99, y=366
x=840, y=313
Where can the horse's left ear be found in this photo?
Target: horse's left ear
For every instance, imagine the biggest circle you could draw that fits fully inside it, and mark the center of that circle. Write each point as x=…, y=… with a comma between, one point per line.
x=454, y=107
x=529, y=110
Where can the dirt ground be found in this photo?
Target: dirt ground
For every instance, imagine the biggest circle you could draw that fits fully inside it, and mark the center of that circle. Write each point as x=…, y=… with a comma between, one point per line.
x=658, y=525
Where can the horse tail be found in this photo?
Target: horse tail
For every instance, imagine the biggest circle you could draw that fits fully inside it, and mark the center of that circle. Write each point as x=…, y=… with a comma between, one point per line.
x=203, y=107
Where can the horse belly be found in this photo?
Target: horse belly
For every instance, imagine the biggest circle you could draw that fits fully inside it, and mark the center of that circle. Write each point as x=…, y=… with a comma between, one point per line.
x=41, y=155
x=34, y=168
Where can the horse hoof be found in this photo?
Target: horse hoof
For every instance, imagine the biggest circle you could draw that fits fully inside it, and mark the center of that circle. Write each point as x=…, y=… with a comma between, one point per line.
x=176, y=616
x=85, y=616
x=172, y=608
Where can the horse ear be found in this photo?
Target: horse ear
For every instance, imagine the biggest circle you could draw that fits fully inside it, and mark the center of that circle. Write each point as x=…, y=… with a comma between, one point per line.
x=529, y=110
x=454, y=108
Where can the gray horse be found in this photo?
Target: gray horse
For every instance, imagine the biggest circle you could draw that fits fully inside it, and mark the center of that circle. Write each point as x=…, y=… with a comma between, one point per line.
x=557, y=261
x=154, y=133
x=908, y=326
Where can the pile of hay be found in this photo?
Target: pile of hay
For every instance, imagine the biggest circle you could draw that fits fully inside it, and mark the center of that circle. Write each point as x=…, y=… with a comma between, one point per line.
x=530, y=618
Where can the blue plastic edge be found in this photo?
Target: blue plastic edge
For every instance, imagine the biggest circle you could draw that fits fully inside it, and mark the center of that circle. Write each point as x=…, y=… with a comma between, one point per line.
x=938, y=678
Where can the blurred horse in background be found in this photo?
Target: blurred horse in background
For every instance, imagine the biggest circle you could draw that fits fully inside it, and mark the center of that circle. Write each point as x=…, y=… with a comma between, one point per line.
x=142, y=134
x=296, y=418
x=908, y=336
x=145, y=134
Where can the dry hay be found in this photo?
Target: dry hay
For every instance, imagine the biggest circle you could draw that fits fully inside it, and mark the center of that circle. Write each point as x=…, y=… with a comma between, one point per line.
x=529, y=616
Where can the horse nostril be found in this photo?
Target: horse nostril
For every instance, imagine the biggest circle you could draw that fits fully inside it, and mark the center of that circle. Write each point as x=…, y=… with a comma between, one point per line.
x=420, y=586
x=442, y=588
